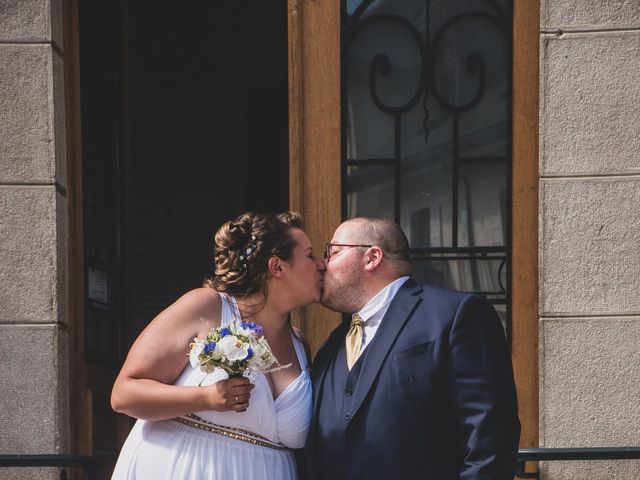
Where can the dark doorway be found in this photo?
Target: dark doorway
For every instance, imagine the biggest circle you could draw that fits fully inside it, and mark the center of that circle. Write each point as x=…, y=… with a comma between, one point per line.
x=184, y=126
x=207, y=100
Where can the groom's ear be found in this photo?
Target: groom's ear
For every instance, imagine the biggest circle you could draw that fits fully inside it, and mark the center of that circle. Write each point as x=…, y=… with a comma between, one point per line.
x=274, y=265
x=373, y=257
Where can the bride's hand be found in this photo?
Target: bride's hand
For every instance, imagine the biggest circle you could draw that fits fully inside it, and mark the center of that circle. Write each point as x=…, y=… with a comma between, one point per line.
x=231, y=394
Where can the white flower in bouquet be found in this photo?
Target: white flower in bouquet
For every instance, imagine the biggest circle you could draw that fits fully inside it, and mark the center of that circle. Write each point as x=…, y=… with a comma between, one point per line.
x=262, y=356
x=196, y=349
x=234, y=348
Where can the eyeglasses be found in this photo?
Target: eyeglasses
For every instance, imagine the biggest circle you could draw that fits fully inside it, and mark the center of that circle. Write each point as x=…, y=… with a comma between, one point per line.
x=327, y=250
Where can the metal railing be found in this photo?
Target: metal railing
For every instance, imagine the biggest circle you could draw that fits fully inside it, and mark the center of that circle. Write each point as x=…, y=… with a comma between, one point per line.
x=89, y=465
x=91, y=468
x=568, y=454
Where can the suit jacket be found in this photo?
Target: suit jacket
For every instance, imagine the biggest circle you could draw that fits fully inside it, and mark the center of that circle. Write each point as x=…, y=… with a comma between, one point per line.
x=435, y=397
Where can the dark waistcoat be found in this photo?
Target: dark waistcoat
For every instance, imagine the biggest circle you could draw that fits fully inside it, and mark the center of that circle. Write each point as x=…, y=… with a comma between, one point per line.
x=334, y=413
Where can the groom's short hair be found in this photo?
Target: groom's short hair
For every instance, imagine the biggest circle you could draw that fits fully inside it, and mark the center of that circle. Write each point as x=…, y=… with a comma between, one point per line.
x=386, y=234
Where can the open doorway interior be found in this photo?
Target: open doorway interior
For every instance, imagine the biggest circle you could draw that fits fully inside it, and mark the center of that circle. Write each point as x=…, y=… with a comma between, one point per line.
x=184, y=125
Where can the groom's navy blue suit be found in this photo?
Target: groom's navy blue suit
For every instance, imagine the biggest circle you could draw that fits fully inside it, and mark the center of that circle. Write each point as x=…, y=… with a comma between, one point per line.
x=431, y=397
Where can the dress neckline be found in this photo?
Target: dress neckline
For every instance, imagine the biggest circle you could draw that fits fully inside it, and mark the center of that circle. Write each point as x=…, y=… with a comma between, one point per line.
x=231, y=303
x=303, y=370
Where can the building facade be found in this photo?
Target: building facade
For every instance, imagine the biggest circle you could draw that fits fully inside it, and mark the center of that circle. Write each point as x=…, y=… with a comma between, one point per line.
x=573, y=228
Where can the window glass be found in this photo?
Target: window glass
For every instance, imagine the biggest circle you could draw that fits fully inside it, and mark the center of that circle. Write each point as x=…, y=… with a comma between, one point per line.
x=426, y=119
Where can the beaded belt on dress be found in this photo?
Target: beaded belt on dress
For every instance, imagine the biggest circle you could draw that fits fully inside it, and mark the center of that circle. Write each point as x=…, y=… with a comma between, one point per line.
x=236, y=433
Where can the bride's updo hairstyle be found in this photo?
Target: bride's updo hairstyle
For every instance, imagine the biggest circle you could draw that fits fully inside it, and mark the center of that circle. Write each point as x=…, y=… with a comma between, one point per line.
x=244, y=246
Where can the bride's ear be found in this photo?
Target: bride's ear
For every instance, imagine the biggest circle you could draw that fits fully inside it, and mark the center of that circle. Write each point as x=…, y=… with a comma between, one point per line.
x=274, y=265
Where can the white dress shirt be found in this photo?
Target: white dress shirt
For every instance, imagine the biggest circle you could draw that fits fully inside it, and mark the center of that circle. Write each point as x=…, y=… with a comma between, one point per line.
x=375, y=309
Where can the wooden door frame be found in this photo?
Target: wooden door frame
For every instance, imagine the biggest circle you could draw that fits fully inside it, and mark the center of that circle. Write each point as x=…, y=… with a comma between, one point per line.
x=524, y=213
x=81, y=415
x=315, y=166
x=314, y=135
x=79, y=396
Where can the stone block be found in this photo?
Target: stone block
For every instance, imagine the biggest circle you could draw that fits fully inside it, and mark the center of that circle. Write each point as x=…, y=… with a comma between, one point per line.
x=32, y=255
x=589, y=15
x=589, y=371
x=590, y=470
x=589, y=97
x=34, y=386
x=589, y=238
x=30, y=473
x=31, y=21
x=31, y=130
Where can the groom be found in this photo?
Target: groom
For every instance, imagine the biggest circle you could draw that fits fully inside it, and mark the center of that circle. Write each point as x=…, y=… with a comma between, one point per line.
x=419, y=384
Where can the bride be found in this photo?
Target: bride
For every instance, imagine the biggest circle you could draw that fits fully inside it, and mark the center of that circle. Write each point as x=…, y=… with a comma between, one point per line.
x=192, y=425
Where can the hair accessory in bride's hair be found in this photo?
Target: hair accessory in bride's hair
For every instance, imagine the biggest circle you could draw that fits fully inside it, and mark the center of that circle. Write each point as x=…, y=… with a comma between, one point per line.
x=248, y=252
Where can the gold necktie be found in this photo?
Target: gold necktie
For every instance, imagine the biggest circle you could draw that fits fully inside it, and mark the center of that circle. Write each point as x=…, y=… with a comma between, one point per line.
x=353, y=340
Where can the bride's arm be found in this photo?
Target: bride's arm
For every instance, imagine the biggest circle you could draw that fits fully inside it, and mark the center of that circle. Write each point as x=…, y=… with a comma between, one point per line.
x=144, y=387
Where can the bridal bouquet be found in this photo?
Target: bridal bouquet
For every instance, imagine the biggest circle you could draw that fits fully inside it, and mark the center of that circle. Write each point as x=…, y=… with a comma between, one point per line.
x=237, y=349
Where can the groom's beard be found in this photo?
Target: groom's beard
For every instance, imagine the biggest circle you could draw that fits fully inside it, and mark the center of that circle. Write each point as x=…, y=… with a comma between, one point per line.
x=343, y=295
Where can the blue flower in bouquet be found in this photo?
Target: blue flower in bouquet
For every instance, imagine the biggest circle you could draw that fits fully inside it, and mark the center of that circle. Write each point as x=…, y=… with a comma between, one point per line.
x=252, y=326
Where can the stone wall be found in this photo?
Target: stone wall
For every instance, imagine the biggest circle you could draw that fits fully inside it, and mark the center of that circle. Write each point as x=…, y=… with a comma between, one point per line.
x=590, y=232
x=34, y=414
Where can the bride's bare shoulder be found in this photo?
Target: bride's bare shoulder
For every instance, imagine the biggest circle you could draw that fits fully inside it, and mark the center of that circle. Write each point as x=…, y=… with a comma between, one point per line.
x=204, y=296
x=201, y=306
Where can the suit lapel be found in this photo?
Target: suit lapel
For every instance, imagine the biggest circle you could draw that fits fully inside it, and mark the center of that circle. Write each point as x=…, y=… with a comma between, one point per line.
x=401, y=308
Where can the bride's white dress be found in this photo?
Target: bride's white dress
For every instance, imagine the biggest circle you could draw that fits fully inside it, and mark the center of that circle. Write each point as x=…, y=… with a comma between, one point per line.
x=172, y=450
